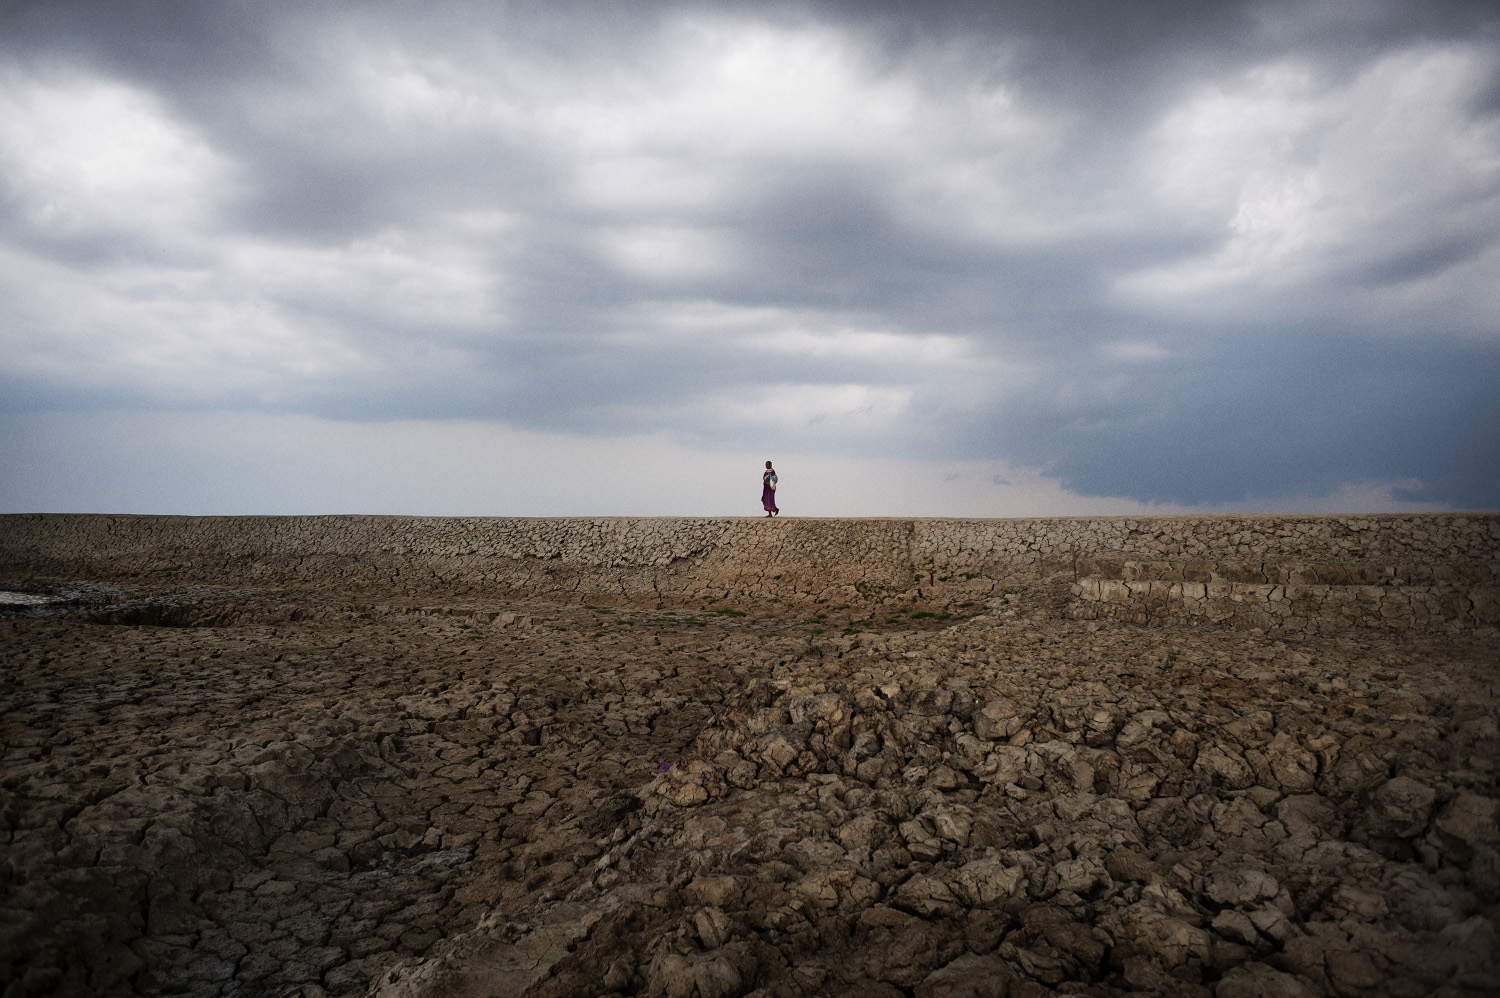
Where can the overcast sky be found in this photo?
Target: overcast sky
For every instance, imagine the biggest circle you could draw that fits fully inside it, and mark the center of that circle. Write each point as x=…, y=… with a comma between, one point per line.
x=933, y=258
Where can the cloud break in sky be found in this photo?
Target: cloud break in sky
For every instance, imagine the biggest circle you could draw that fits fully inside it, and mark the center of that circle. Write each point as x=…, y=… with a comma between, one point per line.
x=565, y=258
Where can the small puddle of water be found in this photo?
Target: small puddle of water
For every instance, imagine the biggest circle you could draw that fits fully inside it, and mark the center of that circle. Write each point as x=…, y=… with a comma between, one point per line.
x=28, y=599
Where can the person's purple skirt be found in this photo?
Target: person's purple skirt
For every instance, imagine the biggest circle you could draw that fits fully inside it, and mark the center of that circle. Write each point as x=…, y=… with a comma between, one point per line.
x=768, y=499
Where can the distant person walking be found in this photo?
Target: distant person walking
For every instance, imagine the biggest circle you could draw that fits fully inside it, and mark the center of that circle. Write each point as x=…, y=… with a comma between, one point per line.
x=768, y=491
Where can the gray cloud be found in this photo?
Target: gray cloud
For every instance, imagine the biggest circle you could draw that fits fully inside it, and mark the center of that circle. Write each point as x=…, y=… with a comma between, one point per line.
x=1304, y=410
x=1173, y=252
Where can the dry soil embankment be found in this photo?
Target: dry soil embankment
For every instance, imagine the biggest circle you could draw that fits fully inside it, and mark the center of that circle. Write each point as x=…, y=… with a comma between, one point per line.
x=1296, y=573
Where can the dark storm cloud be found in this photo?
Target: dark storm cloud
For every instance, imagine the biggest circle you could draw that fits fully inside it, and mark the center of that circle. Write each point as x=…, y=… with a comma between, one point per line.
x=1170, y=251
x=1300, y=409
x=1115, y=54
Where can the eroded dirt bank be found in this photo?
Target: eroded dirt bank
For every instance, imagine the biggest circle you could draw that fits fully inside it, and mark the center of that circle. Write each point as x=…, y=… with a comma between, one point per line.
x=222, y=791
x=1300, y=575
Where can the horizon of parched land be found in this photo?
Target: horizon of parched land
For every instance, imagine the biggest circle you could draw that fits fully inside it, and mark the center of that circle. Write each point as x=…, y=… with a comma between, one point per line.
x=753, y=517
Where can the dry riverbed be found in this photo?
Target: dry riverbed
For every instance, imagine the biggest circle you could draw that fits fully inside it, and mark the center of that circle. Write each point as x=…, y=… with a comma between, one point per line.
x=223, y=792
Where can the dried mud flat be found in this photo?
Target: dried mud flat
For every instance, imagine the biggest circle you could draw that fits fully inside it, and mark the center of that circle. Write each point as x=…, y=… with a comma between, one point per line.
x=221, y=792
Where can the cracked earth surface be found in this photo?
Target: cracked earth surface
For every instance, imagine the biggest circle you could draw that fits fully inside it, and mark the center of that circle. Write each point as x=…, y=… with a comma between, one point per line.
x=220, y=792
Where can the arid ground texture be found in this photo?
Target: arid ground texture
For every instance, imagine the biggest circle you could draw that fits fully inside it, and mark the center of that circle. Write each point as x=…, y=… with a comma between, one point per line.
x=1197, y=756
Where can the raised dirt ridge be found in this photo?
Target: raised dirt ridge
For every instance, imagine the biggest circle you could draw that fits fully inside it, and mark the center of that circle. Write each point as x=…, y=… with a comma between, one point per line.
x=1296, y=573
